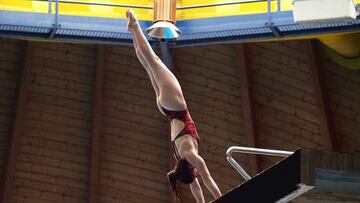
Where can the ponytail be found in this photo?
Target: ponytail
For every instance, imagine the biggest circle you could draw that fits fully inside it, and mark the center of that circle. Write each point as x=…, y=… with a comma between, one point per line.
x=172, y=180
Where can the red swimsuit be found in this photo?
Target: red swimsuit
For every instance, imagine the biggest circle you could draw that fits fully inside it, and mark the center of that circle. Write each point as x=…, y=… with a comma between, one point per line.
x=189, y=128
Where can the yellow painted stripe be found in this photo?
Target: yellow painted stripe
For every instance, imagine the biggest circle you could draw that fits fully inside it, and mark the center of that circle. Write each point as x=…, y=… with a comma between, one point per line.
x=229, y=10
x=80, y=9
x=147, y=14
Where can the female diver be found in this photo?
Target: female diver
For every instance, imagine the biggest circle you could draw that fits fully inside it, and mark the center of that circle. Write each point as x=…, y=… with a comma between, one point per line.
x=171, y=103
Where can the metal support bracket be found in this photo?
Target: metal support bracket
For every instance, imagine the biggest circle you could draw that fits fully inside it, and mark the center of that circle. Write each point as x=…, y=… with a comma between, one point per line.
x=269, y=22
x=275, y=30
x=56, y=24
x=53, y=31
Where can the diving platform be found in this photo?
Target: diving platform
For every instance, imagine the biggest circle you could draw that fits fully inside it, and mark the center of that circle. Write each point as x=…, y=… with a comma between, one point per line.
x=96, y=22
x=298, y=173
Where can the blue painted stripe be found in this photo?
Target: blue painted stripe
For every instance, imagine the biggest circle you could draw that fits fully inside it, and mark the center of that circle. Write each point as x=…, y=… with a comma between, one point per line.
x=26, y=19
x=196, y=31
x=234, y=22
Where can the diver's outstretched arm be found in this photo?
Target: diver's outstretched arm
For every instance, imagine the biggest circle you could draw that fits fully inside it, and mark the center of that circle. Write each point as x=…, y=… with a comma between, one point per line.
x=198, y=162
x=197, y=191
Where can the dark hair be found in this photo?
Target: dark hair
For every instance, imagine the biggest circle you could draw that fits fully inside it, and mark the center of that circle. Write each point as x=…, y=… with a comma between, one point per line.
x=183, y=172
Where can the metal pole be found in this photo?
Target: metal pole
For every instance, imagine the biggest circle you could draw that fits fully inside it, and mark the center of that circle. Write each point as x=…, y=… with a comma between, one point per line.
x=238, y=168
x=250, y=150
x=279, y=5
x=269, y=11
x=49, y=6
x=166, y=54
x=56, y=20
x=56, y=12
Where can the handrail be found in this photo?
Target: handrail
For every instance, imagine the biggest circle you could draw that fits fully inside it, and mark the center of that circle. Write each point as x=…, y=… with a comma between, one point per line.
x=101, y=4
x=218, y=4
x=56, y=25
x=250, y=150
x=150, y=7
x=56, y=11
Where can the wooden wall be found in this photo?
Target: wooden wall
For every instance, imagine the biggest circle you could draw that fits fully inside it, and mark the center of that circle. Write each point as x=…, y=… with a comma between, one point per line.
x=53, y=155
x=135, y=154
x=343, y=87
x=209, y=78
x=52, y=163
x=285, y=110
x=10, y=71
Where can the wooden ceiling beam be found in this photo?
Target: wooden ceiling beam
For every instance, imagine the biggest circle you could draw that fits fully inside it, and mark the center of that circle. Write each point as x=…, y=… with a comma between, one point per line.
x=247, y=104
x=317, y=75
x=96, y=128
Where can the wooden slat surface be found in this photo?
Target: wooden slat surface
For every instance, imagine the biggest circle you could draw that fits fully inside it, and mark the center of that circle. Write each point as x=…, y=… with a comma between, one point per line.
x=209, y=79
x=285, y=106
x=56, y=145
x=134, y=152
x=17, y=123
x=10, y=74
x=53, y=161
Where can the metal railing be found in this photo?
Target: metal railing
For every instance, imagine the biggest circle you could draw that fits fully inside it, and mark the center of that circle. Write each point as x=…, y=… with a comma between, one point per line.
x=150, y=7
x=227, y=4
x=100, y=4
x=56, y=25
x=249, y=150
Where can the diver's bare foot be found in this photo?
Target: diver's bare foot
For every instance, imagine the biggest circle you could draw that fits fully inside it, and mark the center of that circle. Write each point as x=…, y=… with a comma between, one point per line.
x=132, y=20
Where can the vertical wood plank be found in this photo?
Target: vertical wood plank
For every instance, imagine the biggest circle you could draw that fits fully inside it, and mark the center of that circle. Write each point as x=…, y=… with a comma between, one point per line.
x=96, y=130
x=247, y=105
x=317, y=75
x=18, y=124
